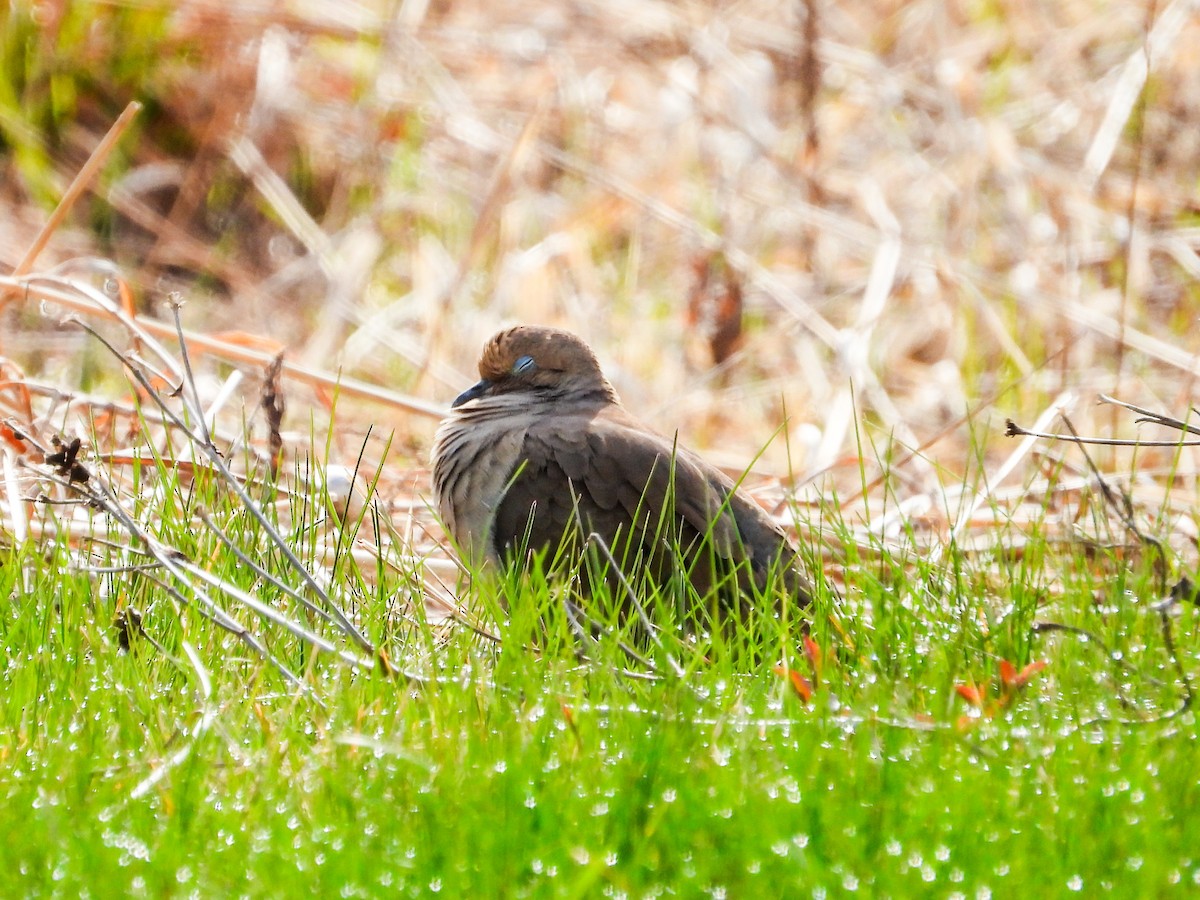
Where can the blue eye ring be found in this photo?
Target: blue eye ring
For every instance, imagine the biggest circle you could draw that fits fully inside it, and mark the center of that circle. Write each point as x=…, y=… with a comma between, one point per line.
x=523, y=365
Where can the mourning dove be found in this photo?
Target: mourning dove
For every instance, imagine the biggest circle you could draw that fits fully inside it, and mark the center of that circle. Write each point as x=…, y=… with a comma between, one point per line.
x=541, y=451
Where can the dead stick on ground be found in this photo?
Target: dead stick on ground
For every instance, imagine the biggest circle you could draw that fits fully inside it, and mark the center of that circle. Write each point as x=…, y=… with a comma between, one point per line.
x=66, y=294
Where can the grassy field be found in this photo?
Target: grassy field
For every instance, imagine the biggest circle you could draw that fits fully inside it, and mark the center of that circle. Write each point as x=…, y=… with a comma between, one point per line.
x=919, y=765
x=841, y=243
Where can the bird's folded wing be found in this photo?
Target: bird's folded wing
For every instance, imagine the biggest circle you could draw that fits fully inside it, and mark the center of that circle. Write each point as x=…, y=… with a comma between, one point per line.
x=621, y=473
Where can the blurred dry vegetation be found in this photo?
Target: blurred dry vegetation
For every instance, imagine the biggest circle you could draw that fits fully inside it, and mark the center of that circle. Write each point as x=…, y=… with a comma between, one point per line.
x=841, y=225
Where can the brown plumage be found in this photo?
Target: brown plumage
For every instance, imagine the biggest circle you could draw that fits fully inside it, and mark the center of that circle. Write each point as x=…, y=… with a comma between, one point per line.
x=542, y=446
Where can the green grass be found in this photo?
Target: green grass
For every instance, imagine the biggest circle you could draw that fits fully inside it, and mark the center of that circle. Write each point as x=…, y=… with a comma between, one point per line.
x=518, y=772
x=192, y=766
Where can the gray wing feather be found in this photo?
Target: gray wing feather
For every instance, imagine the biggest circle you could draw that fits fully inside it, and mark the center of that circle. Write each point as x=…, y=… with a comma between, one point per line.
x=604, y=472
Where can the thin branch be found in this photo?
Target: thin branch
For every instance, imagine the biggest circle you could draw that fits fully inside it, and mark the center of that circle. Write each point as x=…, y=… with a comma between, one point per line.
x=1012, y=429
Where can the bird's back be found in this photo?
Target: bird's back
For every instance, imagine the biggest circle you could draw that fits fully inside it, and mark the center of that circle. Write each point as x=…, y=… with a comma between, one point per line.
x=659, y=509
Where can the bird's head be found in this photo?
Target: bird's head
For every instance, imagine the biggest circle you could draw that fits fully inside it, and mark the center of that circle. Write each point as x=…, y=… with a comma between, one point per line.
x=538, y=361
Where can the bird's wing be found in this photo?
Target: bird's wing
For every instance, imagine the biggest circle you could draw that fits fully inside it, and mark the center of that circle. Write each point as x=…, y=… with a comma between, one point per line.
x=606, y=469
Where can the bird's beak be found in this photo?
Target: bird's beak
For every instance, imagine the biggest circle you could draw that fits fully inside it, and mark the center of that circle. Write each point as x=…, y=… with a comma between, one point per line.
x=471, y=393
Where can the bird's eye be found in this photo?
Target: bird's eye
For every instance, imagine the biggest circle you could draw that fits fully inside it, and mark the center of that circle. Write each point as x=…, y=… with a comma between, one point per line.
x=523, y=364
